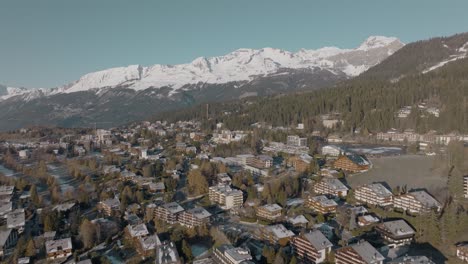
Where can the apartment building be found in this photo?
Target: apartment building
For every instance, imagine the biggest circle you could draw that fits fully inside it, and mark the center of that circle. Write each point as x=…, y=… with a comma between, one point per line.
x=332, y=150
x=321, y=204
x=271, y=212
x=417, y=202
x=374, y=194
x=226, y=197
x=352, y=162
x=359, y=253
x=300, y=163
x=194, y=217
x=110, y=206
x=168, y=212
x=228, y=254
x=297, y=141
x=411, y=260
x=311, y=247
x=166, y=253
x=260, y=161
x=275, y=234
x=397, y=232
x=331, y=186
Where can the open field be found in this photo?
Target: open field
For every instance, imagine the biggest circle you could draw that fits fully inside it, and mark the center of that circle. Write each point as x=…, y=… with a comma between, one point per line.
x=415, y=171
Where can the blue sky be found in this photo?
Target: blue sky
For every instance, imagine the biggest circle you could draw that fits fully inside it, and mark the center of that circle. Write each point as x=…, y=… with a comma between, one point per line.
x=48, y=43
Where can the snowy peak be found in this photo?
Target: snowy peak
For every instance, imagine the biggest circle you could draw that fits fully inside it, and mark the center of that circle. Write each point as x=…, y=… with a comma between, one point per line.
x=242, y=65
x=373, y=42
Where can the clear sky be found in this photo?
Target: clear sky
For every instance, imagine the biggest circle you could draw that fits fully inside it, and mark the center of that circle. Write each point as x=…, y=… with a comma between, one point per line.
x=46, y=43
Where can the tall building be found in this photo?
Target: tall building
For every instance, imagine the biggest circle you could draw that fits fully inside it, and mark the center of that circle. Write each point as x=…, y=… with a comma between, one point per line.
x=226, y=197
x=311, y=247
x=375, y=194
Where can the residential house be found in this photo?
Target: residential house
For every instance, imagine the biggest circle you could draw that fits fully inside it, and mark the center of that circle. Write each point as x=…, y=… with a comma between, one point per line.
x=271, y=212
x=321, y=204
x=300, y=163
x=396, y=232
x=146, y=246
x=311, y=247
x=275, y=234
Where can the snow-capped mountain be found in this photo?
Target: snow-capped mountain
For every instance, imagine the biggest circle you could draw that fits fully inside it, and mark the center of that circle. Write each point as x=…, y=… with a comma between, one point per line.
x=125, y=94
x=240, y=65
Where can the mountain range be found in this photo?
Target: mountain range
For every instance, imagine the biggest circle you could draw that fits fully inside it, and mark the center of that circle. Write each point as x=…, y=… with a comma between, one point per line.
x=120, y=95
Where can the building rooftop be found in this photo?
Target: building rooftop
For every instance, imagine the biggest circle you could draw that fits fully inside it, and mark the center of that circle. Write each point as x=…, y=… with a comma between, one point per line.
x=199, y=212
x=323, y=200
x=64, y=207
x=173, y=207
x=226, y=189
x=398, y=227
x=280, y=231
x=411, y=260
x=425, y=198
x=139, y=230
x=335, y=184
x=299, y=219
x=367, y=252
x=112, y=202
x=380, y=190
x=16, y=218
x=272, y=207
x=149, y=242
x=57, y=245
x=4, y=234
x=6, y=190
x=318, y=240
x=166, y=253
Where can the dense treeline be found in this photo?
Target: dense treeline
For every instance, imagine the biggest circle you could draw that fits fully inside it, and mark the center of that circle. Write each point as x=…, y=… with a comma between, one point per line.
x=367, y=103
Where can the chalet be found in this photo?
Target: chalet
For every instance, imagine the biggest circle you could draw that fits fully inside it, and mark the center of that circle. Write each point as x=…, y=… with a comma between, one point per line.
x=397, y=232
x=331, y=186
x=417, y=202
x=359, y=253
x=300, y=163
x=352, y=163
x=194, y=217
x=321, y=204
x=311, y=247
x=58, y=249
x=366, y=220
x=374, y=194
x=275, y=234
x=271, y=212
